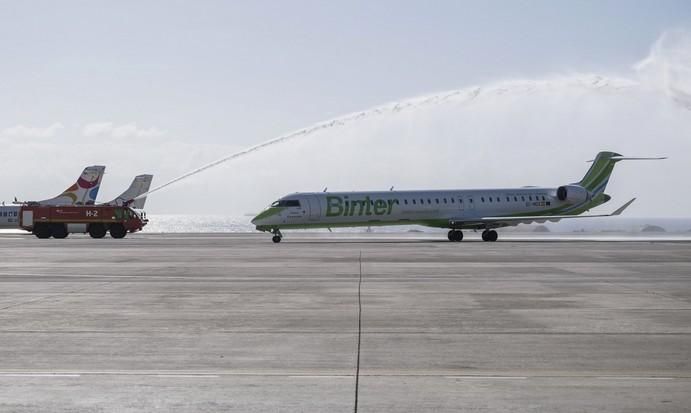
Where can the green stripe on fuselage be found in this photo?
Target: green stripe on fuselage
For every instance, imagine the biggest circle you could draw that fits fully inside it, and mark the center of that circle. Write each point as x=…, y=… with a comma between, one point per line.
x=267, y=213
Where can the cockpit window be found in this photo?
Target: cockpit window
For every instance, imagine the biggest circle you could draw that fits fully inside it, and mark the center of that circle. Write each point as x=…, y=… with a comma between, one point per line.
x=286, y=203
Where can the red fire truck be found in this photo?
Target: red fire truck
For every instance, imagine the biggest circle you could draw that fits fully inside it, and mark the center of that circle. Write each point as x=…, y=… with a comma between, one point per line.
x=96, y=220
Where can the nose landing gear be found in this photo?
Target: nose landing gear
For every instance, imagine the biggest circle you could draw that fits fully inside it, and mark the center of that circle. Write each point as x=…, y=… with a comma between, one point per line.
x=489, y=235
x=277, y=236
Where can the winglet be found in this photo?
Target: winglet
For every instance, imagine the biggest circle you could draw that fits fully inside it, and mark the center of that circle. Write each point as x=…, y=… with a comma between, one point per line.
x=622, y=208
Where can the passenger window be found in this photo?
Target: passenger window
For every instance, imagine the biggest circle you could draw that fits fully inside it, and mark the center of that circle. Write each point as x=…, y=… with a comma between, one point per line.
x=515, y=199
x=444, y=200
x=543, y=197
x=508, y=199
x=522, y=197
x=429, y=201
x=482, y=198
x=490, y=199
x=405, y=201
x=414, y=202
x=453, y=201
x=422, y=201
x=436, y=200
x=530, y=197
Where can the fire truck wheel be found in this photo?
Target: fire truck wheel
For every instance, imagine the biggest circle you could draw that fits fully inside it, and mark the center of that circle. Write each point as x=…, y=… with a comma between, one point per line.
x=42, y=231
x=118, y=231
x=97, y=230
x=60, y=231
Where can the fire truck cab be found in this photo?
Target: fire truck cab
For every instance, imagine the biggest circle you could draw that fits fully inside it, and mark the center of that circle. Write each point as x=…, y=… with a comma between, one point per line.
x=96, y=220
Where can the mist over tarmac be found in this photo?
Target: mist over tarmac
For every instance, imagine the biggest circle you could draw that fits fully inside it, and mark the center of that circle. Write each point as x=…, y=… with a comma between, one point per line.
x=510, y=132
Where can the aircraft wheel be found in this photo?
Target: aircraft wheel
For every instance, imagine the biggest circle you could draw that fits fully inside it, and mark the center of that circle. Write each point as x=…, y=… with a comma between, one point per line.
x=489, y=235
x=97, y=230
x=60, y=231
x=455, y=236
x=493, y=236
x=276, y=239
x=118, y=231
x=42, y=231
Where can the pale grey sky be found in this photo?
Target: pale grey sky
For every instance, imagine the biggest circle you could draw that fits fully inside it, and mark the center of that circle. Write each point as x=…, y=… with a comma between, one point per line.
x=164, y=86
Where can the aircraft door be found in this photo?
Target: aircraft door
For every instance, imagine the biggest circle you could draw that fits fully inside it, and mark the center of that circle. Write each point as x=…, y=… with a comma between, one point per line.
x=28, y=218
x=314, y=208
x=468, y=203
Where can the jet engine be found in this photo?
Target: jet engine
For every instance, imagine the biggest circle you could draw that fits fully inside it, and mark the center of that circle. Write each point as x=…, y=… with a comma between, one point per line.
x=573, y=194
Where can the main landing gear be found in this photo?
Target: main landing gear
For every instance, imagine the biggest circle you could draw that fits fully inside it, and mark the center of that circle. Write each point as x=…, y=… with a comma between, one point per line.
x=489, y=235
x=455, y=236
x=277, y=236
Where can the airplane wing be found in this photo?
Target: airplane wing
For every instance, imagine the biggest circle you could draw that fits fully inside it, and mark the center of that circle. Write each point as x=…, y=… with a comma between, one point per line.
x=506, y=221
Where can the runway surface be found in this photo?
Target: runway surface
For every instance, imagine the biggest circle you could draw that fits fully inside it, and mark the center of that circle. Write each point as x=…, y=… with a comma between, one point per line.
x=196, y=323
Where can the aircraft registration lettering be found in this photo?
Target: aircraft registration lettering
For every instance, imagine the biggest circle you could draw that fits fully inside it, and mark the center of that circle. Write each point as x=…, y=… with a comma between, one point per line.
x=337, y=206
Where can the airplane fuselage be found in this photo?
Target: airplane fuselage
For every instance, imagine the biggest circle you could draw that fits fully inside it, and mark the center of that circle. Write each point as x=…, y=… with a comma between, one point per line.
x=484, y=209
x=9, y=216
x=444, y=208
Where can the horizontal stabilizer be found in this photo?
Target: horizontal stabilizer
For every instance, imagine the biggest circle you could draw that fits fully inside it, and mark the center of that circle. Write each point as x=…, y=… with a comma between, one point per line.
x=634, y=158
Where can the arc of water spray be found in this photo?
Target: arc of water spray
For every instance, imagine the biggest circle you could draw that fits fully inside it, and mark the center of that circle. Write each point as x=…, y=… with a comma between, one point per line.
x=301, y=132
x=461, y=95
x=391, y=108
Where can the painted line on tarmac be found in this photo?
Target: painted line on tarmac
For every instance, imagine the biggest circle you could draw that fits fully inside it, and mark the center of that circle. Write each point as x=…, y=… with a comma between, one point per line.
x=488, y=377
x=635, y=378
x=39, y=375
x=562, y=377
x=326, y=376
x=74, y=374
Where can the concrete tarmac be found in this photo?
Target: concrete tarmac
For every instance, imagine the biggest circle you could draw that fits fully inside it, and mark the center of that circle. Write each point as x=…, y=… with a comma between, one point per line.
x=206, y=323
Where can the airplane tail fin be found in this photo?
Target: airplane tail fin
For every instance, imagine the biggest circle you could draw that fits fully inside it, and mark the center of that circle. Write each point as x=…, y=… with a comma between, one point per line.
x=597, y=177
x=140, y=185
x=82, y=192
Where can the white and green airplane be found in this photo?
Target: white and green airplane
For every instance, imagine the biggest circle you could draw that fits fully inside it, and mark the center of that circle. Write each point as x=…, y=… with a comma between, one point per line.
x=472, y=209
